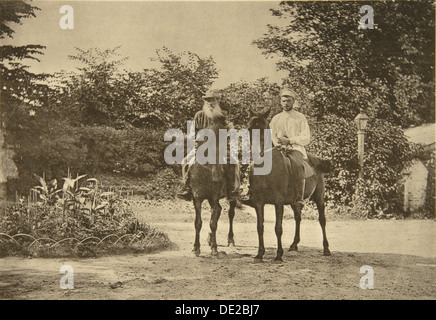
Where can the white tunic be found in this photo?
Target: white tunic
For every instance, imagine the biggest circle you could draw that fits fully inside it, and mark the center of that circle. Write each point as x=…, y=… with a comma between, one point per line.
x=293, y=125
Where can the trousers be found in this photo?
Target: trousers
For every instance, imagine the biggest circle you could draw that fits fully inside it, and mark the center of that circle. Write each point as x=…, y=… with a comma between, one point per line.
x=297, y=170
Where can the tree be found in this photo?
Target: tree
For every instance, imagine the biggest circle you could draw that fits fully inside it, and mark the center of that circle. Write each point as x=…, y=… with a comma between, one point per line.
x=18, y=84
x=21, y=90
x=176, y=88
x=100, y=93
x=90, y=95
x=241, y=99
x=388, y=71
x=13, y=11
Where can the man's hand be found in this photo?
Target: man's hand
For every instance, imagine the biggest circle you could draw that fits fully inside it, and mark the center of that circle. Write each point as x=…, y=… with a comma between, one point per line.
x=284, y=141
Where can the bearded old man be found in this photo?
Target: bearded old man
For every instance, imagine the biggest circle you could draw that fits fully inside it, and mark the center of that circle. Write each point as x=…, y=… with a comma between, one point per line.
x=211, y=115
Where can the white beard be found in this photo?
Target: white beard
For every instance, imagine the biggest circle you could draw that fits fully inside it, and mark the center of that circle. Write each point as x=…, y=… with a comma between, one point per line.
x=214, y=112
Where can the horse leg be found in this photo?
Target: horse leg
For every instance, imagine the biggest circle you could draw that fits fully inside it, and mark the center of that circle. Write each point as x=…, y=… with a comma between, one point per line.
x=230, y=237
x=297, y=217
x=279, y=231
x=322, y=221
x=216, y=212
x=198, y=223
x=260, y=218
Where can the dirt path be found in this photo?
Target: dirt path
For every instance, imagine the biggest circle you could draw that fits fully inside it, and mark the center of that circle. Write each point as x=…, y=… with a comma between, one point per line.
x=401, y=253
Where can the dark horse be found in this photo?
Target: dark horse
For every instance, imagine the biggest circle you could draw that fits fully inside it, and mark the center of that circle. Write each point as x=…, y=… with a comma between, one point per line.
x=210, y=185
x=277, y=188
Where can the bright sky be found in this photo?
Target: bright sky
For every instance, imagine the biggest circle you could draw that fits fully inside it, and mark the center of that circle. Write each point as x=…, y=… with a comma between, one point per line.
x=223, y=30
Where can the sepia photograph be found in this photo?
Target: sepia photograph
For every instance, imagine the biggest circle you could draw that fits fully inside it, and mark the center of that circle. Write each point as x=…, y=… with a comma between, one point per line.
x=217, y=155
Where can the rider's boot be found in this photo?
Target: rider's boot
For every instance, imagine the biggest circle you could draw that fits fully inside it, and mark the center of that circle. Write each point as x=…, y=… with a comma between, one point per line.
x=300, y=185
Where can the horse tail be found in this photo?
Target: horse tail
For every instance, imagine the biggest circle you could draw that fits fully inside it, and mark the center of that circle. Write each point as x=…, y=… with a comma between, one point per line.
x=324, y=166
x=320, y=165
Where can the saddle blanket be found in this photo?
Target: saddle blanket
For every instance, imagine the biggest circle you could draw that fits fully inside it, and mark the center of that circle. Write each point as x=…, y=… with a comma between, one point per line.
x=308, y=170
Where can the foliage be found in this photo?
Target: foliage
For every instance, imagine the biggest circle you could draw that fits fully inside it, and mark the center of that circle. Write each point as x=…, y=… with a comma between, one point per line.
x=339, y=69
x=90, y=94
x=78, y=210
x=99, y=93
x=158, y=185
x=13, y=11
x=18, y=85
x=176, y=88
x=242, y=99
x=387, y=152
x=46, y=145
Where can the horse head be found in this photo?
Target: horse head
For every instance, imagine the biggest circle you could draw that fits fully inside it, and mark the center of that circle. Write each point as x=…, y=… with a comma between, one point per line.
x=259, y=120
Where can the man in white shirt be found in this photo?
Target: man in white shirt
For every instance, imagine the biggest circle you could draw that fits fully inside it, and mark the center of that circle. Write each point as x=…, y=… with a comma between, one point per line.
x=290, y=131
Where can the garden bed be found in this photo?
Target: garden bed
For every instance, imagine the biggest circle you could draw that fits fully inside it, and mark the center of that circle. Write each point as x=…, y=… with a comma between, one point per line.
x=78, y=220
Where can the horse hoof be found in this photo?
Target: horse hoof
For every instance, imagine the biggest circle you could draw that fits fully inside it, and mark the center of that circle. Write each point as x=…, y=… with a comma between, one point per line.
x=326, y=253
x=196, y=252
x=221, y=255
x=231, y=243
x=293, y=248
x=214, y=253
x=278, y=260
x=258, y=259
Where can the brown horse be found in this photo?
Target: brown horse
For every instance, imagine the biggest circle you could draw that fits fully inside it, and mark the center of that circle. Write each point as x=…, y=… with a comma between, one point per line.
x=277, y=188
x=210, y=185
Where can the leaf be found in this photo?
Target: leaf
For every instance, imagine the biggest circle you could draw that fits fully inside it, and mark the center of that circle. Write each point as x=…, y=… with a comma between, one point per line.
x=108, y=193
x=69, y=193
x=53, y=183
x=69, y=183
x=101, y=206
x=79, y=177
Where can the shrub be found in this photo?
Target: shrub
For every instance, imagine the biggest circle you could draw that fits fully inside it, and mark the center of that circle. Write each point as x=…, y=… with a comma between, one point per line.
x=387, y=152
x=41, y=145
x=80, y=216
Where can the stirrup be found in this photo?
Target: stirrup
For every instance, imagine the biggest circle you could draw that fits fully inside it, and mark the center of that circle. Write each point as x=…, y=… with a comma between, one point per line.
x=235, y=192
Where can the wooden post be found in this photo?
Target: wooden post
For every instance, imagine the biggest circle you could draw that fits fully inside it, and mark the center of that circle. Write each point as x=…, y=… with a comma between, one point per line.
x=406, y=191
x=360, y=150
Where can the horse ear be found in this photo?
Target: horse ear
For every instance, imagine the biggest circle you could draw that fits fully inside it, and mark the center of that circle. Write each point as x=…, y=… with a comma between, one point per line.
x=266, y=114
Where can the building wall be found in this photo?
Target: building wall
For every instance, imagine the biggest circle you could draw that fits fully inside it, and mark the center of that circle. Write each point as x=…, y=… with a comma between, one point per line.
x=415, y=186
